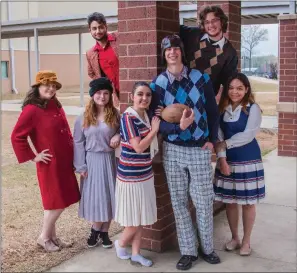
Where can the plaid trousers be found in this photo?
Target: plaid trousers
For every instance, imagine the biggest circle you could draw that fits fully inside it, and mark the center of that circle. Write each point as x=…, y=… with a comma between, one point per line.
x=189, y=172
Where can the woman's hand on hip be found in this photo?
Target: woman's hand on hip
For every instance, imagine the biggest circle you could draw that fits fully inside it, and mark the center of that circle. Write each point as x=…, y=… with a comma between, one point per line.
x=43, y=156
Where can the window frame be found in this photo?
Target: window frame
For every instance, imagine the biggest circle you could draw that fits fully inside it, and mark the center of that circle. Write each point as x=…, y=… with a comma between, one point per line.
x=6, y=64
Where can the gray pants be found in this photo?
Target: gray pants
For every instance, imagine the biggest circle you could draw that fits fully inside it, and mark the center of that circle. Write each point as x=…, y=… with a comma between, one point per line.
x=189, y=172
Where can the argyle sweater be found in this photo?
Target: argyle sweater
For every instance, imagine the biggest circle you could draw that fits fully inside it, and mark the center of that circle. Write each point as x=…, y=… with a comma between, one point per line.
x=196, y=91
x=208, y=58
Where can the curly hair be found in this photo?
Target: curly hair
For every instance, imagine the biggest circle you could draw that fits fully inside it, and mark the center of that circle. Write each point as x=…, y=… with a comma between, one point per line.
x=112, y=116
x=248, y=97
x=218, y=12
x=96, y=16
x=33, y=97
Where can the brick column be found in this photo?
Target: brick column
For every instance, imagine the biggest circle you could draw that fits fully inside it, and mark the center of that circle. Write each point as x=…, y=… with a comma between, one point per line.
x=141, y=27
x=287, y=105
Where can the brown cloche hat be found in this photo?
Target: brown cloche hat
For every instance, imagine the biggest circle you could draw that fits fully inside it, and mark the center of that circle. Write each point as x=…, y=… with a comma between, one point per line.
x=45, y=77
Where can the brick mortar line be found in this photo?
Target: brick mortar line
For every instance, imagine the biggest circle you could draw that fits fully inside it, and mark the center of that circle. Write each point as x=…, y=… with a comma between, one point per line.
x=162, y=228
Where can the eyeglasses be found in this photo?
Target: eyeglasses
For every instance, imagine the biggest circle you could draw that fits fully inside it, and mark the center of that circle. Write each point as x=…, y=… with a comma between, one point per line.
x=213, y=21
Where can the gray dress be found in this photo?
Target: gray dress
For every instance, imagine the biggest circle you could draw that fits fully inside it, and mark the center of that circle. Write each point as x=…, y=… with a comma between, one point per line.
x=93, y=154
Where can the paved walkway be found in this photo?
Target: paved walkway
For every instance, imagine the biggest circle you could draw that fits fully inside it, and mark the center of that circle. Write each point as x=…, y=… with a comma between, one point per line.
x=268, y=122
x=273, y=239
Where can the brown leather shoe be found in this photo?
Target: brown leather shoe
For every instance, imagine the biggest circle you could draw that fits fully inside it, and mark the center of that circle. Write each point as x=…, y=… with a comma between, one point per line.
x=47, y=245
x=58, y=242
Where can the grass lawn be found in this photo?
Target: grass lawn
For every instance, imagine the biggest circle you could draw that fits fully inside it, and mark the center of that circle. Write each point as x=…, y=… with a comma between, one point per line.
x=267, y=103
x=260, y=86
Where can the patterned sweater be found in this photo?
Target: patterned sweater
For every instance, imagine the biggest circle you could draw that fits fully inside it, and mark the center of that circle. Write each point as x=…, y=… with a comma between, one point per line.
x=219, y=63
x=195, y=90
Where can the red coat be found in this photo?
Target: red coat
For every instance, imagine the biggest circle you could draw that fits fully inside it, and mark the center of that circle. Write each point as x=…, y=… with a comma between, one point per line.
x=48, y=129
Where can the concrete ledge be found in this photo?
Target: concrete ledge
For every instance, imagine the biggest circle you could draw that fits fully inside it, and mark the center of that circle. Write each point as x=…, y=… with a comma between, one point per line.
x=287, y=107
x=287, y=17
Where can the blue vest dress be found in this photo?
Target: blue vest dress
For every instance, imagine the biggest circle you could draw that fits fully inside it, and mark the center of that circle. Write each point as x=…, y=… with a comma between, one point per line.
x=246, y=184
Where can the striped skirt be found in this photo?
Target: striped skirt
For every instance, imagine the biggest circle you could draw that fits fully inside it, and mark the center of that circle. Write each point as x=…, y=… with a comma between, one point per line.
x=136, y=203
x=97, y=202
x=244, y=186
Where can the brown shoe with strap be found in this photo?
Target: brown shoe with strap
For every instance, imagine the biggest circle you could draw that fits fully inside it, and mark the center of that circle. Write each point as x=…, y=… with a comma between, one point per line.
x=58, y=242
x=47, y=245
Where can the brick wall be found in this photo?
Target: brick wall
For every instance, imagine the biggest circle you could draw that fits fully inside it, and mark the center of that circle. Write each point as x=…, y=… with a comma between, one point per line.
x=287, y=106
x=141, y=27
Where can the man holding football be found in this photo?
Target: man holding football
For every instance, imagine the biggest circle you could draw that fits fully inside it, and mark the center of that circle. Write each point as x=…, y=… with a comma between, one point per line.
x=189, y=128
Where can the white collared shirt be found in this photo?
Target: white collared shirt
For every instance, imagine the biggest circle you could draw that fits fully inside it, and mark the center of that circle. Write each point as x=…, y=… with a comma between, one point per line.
x=172, y=77
x=219, y=42
x=252, y=127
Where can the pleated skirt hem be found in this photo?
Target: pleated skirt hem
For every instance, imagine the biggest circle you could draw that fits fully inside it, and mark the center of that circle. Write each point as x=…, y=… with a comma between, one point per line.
x=135, y=203
x=244, y=186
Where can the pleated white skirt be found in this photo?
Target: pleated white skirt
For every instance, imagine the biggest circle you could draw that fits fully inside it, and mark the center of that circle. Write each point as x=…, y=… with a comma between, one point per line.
x=135, y=203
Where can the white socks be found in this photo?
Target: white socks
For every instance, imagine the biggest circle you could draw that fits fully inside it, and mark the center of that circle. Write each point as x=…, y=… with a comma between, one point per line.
x=121, y=251
x=140, y=259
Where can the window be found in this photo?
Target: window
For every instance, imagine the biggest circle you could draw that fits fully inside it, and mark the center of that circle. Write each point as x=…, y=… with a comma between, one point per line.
x=4, y=69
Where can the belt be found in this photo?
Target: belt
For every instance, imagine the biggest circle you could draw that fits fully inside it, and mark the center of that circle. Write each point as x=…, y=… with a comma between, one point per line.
x=196, y=143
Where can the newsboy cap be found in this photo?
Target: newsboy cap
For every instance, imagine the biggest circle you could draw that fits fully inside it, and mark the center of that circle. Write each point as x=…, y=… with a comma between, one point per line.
x=100, y=84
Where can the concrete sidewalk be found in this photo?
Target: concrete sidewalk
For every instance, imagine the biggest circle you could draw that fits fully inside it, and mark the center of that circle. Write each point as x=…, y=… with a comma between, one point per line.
x=273, y=239
x=268, y=122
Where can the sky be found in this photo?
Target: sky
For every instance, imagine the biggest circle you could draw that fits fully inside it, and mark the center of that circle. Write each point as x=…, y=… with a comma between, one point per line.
x=271, y=45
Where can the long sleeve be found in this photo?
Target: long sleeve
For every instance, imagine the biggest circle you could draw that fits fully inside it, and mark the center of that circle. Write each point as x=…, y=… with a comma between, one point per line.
x=221, y=138
x=229, y=68
x=79, y=141
x=91, y=72
x=22, y=130
x=212, y=110
x=188, y=35
x=166, y=128
x=66, y=122
x=251, y=130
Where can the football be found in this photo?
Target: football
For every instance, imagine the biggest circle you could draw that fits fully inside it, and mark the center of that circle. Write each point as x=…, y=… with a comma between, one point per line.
x=173, y=112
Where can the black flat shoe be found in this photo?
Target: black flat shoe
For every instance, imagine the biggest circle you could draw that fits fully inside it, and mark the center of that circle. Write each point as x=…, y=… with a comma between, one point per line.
x=211, y=258
x=185, y=262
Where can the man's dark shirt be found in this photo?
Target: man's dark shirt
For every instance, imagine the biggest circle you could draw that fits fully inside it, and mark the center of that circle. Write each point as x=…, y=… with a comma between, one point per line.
x=202, y=55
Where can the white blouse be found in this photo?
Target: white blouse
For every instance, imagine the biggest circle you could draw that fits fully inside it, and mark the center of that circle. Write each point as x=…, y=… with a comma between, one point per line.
x=251, y=129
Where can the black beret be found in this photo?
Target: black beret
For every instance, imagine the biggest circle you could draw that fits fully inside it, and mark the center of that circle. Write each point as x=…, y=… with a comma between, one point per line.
x=100, y=84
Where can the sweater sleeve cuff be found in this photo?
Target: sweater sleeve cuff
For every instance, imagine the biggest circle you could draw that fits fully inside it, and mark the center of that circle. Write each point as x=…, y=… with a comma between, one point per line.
x=80, y=169
x=229, y=143
x=221, y=154
x=26, y=156
x=213, y=140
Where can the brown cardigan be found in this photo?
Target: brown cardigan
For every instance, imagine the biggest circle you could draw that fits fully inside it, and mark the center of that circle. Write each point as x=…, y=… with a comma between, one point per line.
x=94, y=70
